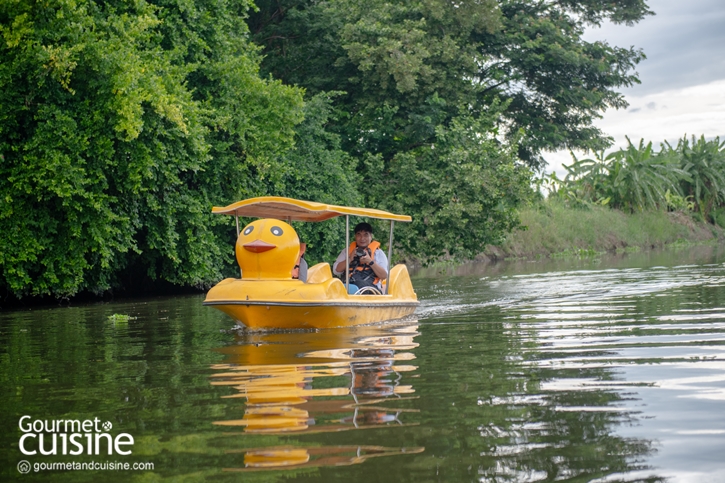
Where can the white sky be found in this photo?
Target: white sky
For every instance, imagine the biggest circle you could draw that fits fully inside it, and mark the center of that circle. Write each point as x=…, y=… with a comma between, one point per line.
x=683, y=77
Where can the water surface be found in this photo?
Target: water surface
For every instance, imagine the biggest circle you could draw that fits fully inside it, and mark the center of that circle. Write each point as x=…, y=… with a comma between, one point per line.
x=572, y=370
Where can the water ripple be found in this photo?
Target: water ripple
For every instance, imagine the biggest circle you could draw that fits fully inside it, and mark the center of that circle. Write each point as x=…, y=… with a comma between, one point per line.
x=645, y=346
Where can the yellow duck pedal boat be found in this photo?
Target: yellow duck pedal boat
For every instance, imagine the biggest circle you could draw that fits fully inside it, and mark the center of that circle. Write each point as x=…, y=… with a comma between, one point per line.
x=267, y=297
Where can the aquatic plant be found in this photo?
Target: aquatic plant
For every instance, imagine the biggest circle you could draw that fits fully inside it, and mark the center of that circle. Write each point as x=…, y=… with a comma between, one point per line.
x=120, y=318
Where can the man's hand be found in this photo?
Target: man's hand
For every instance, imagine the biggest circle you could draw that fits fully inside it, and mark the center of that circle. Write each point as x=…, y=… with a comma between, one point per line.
x=366, y=259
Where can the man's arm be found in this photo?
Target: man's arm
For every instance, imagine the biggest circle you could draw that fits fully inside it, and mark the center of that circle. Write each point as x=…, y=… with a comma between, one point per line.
x=338, y=267
x=380, y=267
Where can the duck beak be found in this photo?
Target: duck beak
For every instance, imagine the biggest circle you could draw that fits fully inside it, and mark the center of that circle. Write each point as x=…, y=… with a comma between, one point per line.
x=259, y=246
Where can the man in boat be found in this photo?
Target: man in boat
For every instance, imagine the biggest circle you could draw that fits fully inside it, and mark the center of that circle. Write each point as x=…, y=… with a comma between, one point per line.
x=368, y=263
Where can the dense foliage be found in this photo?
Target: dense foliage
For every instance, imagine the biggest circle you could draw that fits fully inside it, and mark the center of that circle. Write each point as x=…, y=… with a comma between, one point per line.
x=463, y=189
x=443, y=99
x=122, y=123
x=408, y=67
x=689, y=176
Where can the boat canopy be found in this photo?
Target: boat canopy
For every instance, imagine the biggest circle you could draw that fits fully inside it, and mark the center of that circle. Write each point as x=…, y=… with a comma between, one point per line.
x=289, y=209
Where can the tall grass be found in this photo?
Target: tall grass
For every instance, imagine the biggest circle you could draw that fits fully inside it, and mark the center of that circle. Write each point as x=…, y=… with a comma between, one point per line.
x=555, y=227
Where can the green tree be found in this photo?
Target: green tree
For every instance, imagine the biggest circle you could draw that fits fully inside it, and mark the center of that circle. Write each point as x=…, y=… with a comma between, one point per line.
x=121, y=124
x=402, y=72
x=463, y=189
x=406, y=67
x=418, y=74
x=317, y=169
x=557, y=82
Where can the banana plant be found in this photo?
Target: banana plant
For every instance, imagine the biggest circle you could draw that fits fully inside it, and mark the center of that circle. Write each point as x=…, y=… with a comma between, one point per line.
x=704, y=161
x=587, y=179
x=640, y=178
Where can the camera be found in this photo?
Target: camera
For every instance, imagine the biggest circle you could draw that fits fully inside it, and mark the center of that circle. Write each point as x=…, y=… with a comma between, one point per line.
x=360, y=252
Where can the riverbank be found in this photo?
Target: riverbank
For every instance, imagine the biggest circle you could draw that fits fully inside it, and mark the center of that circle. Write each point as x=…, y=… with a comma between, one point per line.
x=552, y=229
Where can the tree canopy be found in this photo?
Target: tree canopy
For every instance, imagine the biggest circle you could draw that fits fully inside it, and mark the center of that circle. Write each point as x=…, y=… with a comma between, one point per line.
x=440, y=98
x=413, y=64
x=121, y=124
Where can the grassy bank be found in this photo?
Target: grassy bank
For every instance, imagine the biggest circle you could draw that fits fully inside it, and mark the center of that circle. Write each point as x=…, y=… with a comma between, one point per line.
x=553, y=229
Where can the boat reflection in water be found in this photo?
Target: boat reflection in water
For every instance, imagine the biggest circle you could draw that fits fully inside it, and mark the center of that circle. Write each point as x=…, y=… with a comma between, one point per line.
x=317, y=382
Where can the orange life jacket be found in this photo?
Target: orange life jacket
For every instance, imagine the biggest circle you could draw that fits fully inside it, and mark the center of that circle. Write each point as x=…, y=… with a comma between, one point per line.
x=296, y=269
x=366, y=268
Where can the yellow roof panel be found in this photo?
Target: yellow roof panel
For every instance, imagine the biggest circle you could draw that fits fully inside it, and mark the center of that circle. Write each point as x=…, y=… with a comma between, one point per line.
x=297, y=210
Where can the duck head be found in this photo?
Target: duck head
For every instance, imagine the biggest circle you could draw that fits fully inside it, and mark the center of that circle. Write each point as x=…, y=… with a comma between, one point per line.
x=267, y=249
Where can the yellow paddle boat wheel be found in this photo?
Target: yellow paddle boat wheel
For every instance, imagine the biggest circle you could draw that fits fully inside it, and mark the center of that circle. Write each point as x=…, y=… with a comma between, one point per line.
x=267, y=297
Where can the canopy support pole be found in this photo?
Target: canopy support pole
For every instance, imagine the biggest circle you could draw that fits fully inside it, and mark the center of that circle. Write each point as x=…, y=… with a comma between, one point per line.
x=390, y=258
x=347, y=253
x=236, y=220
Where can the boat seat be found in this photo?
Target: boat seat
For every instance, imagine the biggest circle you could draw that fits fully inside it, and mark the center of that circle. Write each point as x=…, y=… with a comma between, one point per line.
x=319, y=273
x=399, y=282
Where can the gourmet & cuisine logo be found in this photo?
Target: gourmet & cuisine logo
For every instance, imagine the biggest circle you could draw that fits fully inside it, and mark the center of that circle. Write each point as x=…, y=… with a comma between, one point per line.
x=71, y=437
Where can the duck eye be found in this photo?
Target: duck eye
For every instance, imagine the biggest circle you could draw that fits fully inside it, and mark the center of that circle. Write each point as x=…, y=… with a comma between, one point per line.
x=276, y=231
x=248, y=230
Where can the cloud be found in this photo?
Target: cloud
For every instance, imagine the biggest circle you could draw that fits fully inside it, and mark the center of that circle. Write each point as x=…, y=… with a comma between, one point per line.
x=683, y=43
x=695, y=110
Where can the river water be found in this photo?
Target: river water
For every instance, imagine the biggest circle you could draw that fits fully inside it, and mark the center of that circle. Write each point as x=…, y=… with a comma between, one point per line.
x=602, y=370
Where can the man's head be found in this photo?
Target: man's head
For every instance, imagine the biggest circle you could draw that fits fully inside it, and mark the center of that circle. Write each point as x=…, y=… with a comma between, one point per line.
x=363, y=234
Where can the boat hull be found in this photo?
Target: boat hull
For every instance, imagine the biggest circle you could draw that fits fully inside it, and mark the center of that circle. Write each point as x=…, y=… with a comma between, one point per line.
x=279, y=316
x=319, y=304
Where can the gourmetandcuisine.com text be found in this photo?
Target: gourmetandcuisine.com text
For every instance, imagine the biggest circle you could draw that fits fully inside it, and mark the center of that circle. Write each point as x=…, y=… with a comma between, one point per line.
x=87, y=466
